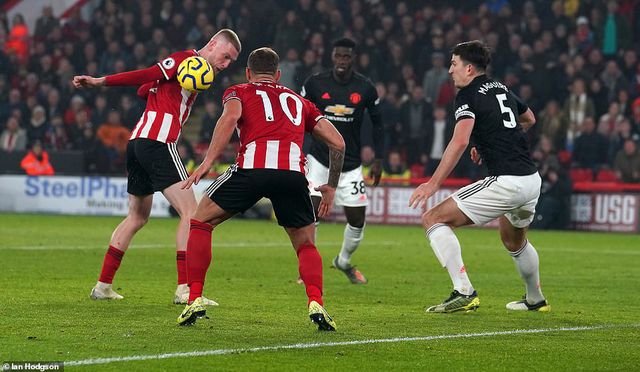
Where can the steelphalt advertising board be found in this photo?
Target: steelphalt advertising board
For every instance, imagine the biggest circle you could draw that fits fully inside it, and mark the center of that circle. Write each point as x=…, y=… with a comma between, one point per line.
x=387, y=204
x=74, y=195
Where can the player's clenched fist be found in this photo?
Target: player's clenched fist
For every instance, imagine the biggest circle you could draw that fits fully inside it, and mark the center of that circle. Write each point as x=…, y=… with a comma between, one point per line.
x=85, y=81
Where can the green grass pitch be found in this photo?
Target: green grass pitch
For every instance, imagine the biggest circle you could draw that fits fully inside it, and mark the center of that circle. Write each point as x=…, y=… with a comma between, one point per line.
x=50, y=263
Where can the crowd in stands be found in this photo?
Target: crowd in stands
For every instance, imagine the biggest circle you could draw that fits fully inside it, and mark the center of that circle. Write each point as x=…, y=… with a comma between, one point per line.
x=575, y=62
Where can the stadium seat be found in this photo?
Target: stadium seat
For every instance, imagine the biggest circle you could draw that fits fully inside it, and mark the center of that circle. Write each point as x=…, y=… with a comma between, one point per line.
x=581, y=174
x=606, y=175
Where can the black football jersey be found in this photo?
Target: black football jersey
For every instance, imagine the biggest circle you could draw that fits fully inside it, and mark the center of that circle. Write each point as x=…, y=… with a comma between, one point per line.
x=344, y=105
x=497, y=135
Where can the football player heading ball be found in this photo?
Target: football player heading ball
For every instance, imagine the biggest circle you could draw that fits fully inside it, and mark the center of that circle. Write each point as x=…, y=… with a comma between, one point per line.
x=153, y=163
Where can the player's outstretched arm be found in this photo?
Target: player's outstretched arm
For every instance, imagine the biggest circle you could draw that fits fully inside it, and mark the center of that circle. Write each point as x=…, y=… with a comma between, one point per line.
x=86, y=81
x=221, y=135
x=453, y=152
x=327, y=133
x=127, y=78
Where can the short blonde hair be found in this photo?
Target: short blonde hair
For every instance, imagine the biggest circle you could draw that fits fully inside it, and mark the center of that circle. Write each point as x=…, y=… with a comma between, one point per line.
x=229, y=36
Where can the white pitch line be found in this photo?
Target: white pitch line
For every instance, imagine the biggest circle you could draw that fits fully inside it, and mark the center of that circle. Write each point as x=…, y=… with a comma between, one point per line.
x=338, y=343
x=156, y=246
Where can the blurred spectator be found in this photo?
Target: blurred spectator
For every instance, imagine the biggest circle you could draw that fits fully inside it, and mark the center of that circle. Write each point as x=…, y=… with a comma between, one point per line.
x=613, y=79
x=434, y=77
x=18, y=39
x=612, y=118
x=576, y=109
x=131, y=111
x=113, y=135
x=552, y=124
x=616, y=34
x=209, y=120
x=622, y=132
x=584, y=35
x=288, y=68
x=45, y=24
x=36, y=162
x=599, y=95
x=100, y=110
x=56, y=138
x=96, y=159
x=77, y=105
x=439, y=132
x=627, y=162
x=394, y=167
x=590, y=149
x=38, y=125
x=289, y=33
x=635, y=116
x=14, y=103
x=554, y=206
x=76, y=128
x=13, y=138
x=390, y=119
x=416, y=115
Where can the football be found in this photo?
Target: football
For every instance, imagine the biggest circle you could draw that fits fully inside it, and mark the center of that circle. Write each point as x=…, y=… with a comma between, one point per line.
x=195, y=74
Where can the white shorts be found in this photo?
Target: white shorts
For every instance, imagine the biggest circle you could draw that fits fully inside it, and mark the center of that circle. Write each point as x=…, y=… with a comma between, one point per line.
x=515, y=197
x=351, y=191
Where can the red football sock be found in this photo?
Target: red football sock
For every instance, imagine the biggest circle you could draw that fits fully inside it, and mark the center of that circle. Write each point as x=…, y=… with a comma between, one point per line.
x=110, y=265
x=181, y=264
x=310, y=269
x=198, y=256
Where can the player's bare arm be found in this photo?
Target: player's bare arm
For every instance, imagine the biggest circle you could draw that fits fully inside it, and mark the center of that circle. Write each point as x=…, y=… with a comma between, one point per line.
x=326, y=132
x=221, y=136
x=527, y=120
x=451, y=156
x=127, y=78
x=86, y=81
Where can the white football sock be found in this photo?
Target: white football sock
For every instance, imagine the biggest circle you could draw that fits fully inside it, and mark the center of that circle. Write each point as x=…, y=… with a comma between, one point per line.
x=527, y=263
x=446, y=245
x=352, y=238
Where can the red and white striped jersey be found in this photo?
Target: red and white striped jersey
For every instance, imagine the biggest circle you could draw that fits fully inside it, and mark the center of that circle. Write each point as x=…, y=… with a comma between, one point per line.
x=272, y=125
x=168, y=104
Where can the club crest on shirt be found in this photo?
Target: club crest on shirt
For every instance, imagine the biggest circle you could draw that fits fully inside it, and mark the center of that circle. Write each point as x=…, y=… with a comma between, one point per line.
x=355, y=98
x=168, y=63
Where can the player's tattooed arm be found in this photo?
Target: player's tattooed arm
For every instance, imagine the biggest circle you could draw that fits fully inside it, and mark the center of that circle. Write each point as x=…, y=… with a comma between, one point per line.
x=327, y=133
x=336, y=160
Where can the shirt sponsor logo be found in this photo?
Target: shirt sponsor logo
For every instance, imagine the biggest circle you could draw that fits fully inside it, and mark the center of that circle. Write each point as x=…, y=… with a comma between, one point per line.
x=339, y=110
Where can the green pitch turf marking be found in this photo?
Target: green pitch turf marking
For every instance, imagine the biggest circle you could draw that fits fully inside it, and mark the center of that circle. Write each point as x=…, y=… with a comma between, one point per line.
x=342, y=343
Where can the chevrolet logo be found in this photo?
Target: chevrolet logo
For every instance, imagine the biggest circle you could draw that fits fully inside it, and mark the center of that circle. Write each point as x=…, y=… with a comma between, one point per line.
x=339, y=110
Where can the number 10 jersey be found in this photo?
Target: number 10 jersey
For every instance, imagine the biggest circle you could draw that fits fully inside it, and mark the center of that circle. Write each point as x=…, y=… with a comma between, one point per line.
x=272, y=125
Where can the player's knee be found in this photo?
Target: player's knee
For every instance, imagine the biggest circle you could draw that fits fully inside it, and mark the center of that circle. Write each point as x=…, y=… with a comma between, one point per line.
x=512, y=245
x=137, y=222
x=429, y=219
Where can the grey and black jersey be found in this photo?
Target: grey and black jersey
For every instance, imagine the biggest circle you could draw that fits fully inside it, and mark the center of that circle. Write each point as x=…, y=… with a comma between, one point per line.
x=497, y=134
x=344, y=105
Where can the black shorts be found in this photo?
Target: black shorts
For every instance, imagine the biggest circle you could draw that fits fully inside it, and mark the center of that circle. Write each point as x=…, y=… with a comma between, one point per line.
x=237, y=190
x=152, y=166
